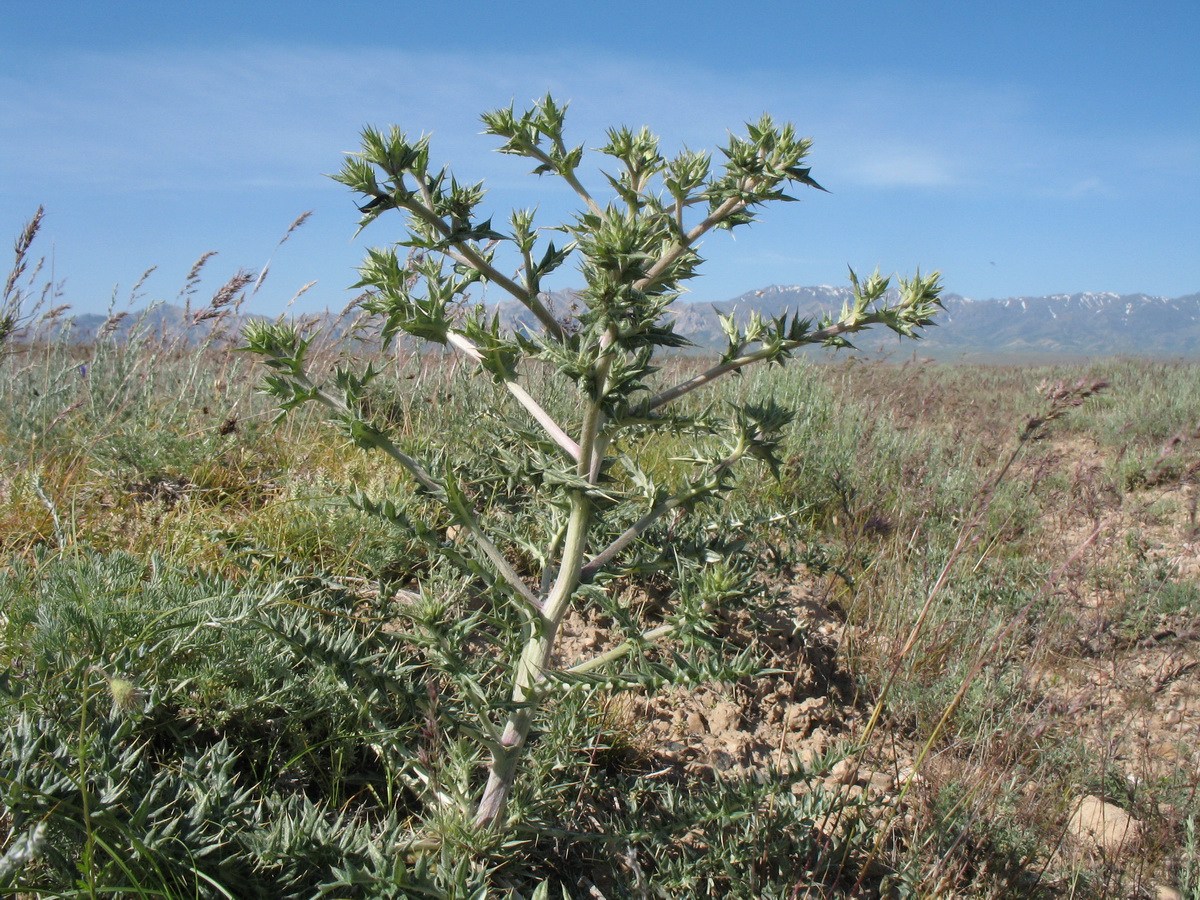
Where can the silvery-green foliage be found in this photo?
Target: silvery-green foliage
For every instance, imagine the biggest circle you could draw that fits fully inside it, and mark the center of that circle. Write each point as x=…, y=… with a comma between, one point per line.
x=160, y=729
x=23, y=850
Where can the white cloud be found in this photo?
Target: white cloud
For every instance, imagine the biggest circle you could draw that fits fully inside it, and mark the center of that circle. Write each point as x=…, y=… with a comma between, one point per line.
x=902, y=166
x=1087, y=187
x=274, y=116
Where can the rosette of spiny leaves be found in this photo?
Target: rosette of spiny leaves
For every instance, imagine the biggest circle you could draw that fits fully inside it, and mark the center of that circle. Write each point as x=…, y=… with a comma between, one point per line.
x=634, y=249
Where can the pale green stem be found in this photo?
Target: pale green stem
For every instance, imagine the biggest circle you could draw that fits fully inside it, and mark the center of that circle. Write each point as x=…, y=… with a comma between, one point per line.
x=711, y=375
x=539, y=648
x=553, y=429
x=641, y=525
x=505, y=757
x=591, y=434
x=574, y=548
x=724, y=211
x=527, y=258
x=467, y=255
x=535, y=659
x=427, y=481
x=623, y=649
x=548, y=568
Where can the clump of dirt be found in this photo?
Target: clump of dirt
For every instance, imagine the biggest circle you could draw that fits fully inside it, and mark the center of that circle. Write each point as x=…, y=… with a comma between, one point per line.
x=1126, y=674
x=797, y=714
x=1136, y=708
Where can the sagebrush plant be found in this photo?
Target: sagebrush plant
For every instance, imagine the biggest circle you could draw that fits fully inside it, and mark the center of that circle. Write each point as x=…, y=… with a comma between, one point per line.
x=589, y=503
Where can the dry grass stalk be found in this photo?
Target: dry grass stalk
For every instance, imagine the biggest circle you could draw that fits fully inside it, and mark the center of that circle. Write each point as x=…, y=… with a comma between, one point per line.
x=192, y=282
x=262, y=275
x=53, y=314
x=300, y=220
x=305, y=289
x=21, y=250
x=111, y=324
x=228, y=298
x=12, y=317
x=135, y=291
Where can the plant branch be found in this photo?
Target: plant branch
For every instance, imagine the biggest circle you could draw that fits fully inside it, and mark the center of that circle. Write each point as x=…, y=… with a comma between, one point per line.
x=640, y=527
x=767, y=352
x=467, y=517
x=463, y=252
x=722, y=212
x=567, y=175
x=553, y=429
x=623, y=649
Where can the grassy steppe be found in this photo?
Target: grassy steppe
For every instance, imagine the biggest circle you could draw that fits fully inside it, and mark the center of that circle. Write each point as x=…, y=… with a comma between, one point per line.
x=206, y=688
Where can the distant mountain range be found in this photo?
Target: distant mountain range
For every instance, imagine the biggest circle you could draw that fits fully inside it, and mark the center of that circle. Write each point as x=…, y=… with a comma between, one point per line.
x=1086, y=324
x=159, y=320
x=1018, y=328
x=1060, y=325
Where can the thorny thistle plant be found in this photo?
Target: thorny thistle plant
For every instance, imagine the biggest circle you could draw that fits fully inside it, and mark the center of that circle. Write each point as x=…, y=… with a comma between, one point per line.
x=633, y=250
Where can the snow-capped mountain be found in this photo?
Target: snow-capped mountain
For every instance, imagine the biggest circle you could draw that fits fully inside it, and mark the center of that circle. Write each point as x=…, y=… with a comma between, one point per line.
x=1086, y=324
x=1045, y=328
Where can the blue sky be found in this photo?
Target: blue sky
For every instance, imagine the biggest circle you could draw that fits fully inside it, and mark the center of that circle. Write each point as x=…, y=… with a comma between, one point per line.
x=1021, y=148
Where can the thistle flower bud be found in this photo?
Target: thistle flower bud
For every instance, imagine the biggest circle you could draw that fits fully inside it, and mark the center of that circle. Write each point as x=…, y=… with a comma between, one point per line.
x=125, y=695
